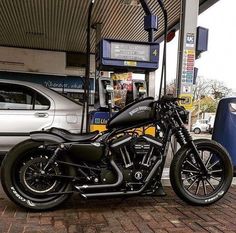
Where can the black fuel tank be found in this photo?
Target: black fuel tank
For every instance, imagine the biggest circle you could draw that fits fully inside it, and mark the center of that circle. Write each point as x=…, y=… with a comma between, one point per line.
x=137, y=112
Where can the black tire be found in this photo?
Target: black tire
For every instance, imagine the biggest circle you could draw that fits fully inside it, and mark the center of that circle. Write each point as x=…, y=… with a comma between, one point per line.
x=197, y=130
x=187, y=179
x=15, y=182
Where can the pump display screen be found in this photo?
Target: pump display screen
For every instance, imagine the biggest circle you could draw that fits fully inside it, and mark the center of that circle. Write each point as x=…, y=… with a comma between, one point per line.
x=127, y=51
x=113, y=55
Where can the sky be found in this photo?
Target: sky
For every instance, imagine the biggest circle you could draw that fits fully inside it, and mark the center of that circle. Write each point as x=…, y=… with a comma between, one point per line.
x=219, y=61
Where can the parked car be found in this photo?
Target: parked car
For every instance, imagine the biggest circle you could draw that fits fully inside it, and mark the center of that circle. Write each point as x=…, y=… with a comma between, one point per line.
x=211, y=123
x=200, y=126
x=26, y=107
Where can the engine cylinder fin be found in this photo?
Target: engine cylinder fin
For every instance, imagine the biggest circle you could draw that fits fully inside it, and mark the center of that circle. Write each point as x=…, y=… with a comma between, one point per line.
x=126, y=157
x=147, y=157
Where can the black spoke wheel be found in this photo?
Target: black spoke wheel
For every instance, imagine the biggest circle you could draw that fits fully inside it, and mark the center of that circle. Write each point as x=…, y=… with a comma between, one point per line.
x=35, y=178
x=201, y=186
x=28, y=183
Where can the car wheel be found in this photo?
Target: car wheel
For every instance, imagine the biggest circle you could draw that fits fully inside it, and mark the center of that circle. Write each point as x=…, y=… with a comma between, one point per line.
x=197, y=130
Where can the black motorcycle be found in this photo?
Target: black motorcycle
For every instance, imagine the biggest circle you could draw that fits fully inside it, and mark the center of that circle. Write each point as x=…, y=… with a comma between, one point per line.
x=42, y=172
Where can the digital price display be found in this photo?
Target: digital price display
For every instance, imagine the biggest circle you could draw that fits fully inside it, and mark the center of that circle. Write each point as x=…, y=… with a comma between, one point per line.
x=134, y=52
x=127, y=55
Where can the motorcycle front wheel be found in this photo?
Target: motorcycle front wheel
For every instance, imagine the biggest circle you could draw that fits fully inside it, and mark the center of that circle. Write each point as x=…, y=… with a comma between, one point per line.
x=194, y=185
x=27, y=183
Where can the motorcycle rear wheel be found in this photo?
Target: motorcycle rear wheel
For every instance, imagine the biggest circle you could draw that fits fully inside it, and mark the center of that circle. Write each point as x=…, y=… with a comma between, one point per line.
x=192, y=184
x=27, y=184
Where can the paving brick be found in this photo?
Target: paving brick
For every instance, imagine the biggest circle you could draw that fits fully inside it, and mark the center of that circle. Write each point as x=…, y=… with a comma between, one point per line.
x=16, y=228
x=128, y=225
x=46, y=220
x=194, y=226
x=145, y=216
x=180, y=230
x=129, y=215
x=89, y=229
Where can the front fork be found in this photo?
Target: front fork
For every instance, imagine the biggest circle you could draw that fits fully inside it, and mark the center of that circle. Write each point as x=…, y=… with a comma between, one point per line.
x=183, y=137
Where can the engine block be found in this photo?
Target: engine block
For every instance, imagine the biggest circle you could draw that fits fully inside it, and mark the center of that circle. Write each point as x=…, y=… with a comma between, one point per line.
x=136, y=152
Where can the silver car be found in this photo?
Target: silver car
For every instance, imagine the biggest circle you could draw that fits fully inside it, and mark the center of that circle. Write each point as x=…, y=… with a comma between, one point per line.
x=26, y=107
x=200, y=126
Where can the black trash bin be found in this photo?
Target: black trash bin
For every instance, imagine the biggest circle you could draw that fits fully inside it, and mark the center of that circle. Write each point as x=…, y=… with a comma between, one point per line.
x=224, y=130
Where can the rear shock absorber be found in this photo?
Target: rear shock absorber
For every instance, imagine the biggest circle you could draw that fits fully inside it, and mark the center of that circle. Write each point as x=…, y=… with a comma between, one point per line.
x=55, y=154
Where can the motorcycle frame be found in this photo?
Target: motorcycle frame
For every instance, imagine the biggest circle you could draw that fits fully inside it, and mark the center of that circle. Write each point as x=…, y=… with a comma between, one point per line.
x=171, y=124
x=104, y=137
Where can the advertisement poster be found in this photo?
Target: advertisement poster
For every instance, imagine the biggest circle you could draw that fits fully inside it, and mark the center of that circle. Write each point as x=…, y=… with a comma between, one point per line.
x=123, y=86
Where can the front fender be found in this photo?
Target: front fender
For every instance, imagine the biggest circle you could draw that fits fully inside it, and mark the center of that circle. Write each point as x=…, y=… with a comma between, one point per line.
x=42, y=136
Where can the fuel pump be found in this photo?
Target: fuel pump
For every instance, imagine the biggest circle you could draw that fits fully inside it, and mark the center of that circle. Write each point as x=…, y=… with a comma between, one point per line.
x=104, y=91
x=104, y=104
x=109, y=99
x=139, y=89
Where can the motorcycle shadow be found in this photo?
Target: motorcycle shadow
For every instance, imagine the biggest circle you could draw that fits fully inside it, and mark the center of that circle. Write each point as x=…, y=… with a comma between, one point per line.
x=76, y=202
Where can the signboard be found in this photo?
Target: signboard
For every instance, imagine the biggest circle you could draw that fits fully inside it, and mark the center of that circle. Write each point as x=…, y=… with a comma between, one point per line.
x=58, y=83
x=187, y=103
x=188, y=68
x=130, y=52
x=120, y=55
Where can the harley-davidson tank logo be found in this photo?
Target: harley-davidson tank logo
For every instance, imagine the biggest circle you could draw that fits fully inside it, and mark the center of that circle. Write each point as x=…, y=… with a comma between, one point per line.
x=139, y=109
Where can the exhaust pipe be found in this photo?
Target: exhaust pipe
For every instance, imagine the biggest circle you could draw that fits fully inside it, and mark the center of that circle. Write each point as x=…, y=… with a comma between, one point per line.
x=102, y=186
x=120, y=193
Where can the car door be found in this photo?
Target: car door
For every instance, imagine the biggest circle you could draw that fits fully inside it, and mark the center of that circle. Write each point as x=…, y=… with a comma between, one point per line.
x=204, y=125
x=22, y=110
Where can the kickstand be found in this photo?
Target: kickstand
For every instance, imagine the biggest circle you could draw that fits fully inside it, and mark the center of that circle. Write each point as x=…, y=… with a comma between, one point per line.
x=159, y=192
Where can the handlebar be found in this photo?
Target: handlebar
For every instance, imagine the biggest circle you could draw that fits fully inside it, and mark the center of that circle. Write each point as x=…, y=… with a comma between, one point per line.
x=167, y=98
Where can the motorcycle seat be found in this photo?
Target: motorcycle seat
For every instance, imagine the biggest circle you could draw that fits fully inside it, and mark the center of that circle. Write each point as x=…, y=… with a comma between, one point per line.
x=68, y=136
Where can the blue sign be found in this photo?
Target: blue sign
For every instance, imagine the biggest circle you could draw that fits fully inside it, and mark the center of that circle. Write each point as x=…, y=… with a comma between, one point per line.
x=66, y=83
x=127, y=55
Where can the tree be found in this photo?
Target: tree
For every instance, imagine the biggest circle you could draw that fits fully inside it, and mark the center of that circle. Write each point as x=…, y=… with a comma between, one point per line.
x=210, y=87
x=202, y=88
x=206, y=104
x=219, y=90
x=171, y=87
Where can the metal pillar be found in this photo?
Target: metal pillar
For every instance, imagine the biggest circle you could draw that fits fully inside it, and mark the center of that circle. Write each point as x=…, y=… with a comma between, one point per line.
x=150, y=25
x=187, y=43
x=186, y=53
x=87, y=72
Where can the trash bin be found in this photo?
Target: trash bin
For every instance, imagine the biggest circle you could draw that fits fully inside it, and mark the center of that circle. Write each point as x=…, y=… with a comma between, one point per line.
x=224, y=130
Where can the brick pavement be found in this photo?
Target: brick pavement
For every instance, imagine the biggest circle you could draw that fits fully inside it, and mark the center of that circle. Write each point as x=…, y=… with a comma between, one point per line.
x=133, y=214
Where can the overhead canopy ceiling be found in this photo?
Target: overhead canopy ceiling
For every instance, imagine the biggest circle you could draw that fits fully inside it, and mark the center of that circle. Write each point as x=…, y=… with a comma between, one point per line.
x=61, y=24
